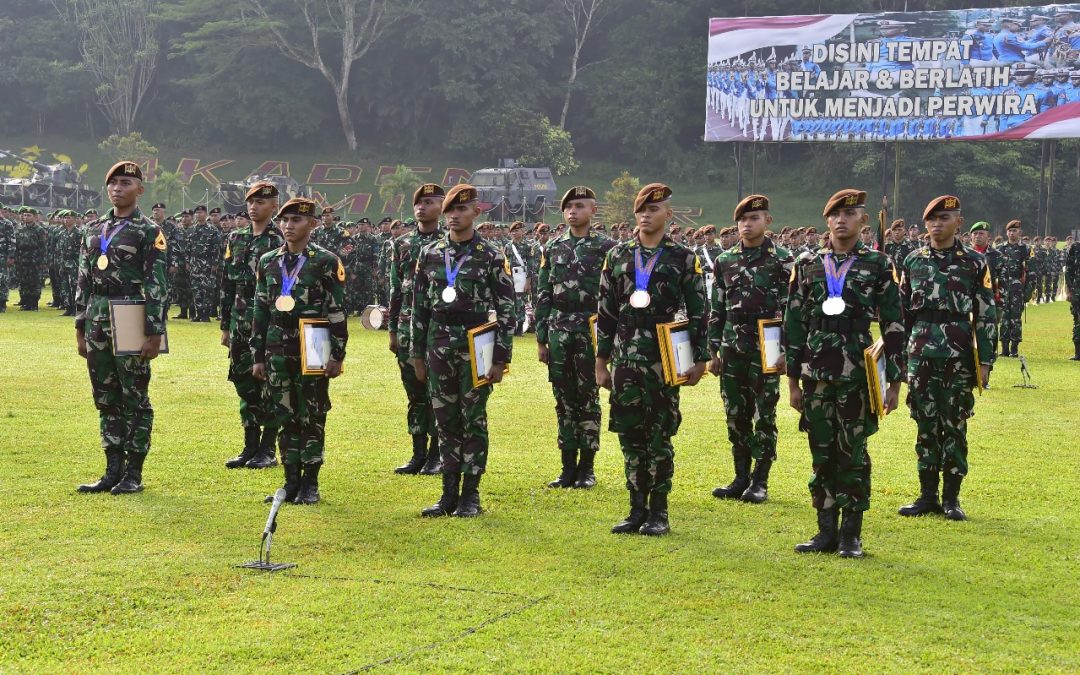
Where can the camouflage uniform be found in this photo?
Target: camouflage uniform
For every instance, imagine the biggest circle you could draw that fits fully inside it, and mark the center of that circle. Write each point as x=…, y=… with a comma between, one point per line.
x=941, y=292
x=7, y=252
x=1037, y=274
x=751, y=284
x=52, y=256
x=897, y=252
x=1014, y=269
x=382, y=272
x=31, y=243
x=203, y=249
x=519, y=255
x=363, y=268
x=994, y=261
x=1072, y=283
x=120, y=384
x=181, y=279
x=67, y=253
x=567, y=289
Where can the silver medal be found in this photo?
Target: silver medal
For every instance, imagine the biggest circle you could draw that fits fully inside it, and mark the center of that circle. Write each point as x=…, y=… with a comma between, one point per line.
x=834, y=306
x=640, y=299
x=449, y=294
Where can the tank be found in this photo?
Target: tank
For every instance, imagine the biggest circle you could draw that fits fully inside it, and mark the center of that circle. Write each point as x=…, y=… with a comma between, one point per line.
x=51, y=186
x=232, y=194
x=511, y=192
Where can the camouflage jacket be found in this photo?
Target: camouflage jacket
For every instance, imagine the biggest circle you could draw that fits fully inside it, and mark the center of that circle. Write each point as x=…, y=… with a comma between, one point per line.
x=954, y=281
x=815, y=351
x=627, y=334
x=243, y=251
x=994, y=260
x=407, y=249
x=897, y=252
x=171, y=231
x=7, y=240
x=319, y=293
x=68, y=244
x=31, y=243
x=1072, y=271
x=483, y=284
x=332, y=237
x=203, y=246
x=1014, y=261
x=750, y=284
x=1040, y=260
x=527, y=254
x=569, y=283
x=136, y=270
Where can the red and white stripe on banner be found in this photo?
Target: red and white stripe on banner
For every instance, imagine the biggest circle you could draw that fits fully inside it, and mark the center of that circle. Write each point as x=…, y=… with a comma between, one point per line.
x=730, y=37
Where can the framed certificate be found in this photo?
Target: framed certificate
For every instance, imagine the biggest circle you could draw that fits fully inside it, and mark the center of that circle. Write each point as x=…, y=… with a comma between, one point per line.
x=128, y=318
x=676, y=351
x=314, y=346
x=876, y=382
x=592, y=330
x=770, y=336
x=482, y=352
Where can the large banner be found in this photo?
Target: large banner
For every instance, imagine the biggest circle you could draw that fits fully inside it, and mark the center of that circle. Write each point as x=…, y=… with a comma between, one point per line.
x=978, y=74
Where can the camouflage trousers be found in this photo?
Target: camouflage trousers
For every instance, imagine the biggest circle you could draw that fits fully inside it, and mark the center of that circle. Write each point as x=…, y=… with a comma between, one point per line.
x=69, y=281
x=645, y=415
x=519, y=312
x=1012, y=310
x=940, y=400
x=750, y=399
x=419, y=417
x=29, y=285
x=202, y=290
x=5, y=282
x=572, y=374
x=180, y=290
x=460, y=411
x=254, y=409
x=56, y=285
x=296, y=404
x=838, y=420
x=120, y=386
x=1074, y=306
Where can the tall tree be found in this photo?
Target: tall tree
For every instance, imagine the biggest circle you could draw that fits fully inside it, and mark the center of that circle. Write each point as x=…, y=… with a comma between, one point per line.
x=584, y=16
x=355, y=25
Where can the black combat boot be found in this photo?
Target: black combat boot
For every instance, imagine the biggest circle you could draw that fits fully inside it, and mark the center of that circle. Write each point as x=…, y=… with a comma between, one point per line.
x=851, y=534
x=928, y=497
x=1075, y=356
x=569, y=469
x=639, y=513
x=114, y=471
x=451, y=483
x=132, y=480
x=738, y=486
x=416, y=462
x=292, y=484
x=469, y=504
x=1014, y=353
x=309, y=484
x=1004, y=348
x=265, y=458
x=251, y=446
x=586, y=478
x=825, y=541
x=433, y=465
x=3, y=307
x=758, y=491
x=950, y=497
x=182, y=314
x=657, y=523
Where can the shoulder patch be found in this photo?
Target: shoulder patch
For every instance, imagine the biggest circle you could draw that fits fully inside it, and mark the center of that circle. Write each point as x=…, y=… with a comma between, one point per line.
x=793, y=273
x=697, y=264
x=159, y=241
x=895, y=279
x=987, y=283
x=228, y=251
x=340, y=271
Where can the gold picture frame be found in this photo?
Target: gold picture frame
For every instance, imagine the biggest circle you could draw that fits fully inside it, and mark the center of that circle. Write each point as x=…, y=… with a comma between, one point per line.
x=480, y=339
x=314, y=346
x=874, y=361
x=675, y=351
x=592, y=329
x=128, y=320
x=766, y=328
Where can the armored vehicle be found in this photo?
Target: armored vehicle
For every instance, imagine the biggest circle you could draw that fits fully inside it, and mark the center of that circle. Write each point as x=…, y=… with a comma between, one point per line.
x=512, y=192
x=51, y=186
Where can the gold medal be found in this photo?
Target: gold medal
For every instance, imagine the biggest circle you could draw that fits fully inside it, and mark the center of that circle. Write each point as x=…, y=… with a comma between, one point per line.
x=284, y=303
x=103, y=262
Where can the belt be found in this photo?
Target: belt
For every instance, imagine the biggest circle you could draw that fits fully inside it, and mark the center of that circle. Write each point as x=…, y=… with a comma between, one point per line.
x=940, y=316
x=115, y=290
x=248, y=290
x=469, y=319
x=831, y=325
x=644, y=320
x=574, y=306
x=748, y=317
x=285, y=321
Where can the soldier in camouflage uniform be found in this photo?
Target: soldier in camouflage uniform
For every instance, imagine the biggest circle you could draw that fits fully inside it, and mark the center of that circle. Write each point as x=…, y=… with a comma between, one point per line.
x=364, y=263
x=751, y=285
x=203, y=248
x=31, y=244
x=244, y=247
x=459, y=278
x=122, y=257
x=168, y=226
x=1015, y=258
x=180, y=282
x=427, y=207
x=567, y=291
x=833, y=298
x=7, y=254
x=1072, y=293
x=980, y=243
x=897, y=245
x=67, y=254
x=1037, y=272
x=519, y=255
x=643, y=283
x=297, y=280
x=52, y=256
x=383, y=257
x=947, y=295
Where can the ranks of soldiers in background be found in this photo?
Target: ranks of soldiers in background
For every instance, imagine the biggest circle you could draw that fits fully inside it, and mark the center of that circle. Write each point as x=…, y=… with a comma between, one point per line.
x=813, y=241
x=520, y=258
x=361, y=265
x=122, y=257
x=947, y=294
x=728, y=237
x=980, y=243
x=7, y=254
x=203, y=249
x=53, y=229
x=299, y=280
x=644, y=282
x=382, y=261
x=218, y=224
x=566, y=299
x=31, y=246
x=751, y=284
x=420, y=420
x=1072, y=292
x=834, y=296
x=1015, y=259
x=459, y=278
x=897, y=246
x=244, y=247
x=68, y=241
x=180, y=281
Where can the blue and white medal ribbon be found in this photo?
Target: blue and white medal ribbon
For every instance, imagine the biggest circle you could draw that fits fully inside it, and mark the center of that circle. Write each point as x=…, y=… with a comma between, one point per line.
x=834, y=280
x=640, y=298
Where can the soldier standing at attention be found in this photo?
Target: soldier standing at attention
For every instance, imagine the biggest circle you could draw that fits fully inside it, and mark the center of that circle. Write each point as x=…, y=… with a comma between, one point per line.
x=244, y=248
x=68, y=243
x=427, y=207
x=299, y=280
x=204, y=250
x=946, y=291
x=567, y=289
x=751, y=283
x=834, y=295
x=1072, y=293
x=7, y=254
x=644, y=282
x=31, y=243
x=1015, y=257
x=459, y=279
x=980, y=243
x=122, y=258
x=181, y=280
x=517, y=254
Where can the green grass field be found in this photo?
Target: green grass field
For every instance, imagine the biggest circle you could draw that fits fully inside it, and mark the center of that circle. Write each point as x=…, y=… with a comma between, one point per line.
x=146, y=583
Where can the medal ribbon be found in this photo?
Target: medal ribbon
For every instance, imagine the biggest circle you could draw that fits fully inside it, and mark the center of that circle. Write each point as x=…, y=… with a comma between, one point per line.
x=643, y=272
x=288, y=279
x=105, y=241
x=834, y=279
x=452, y=270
